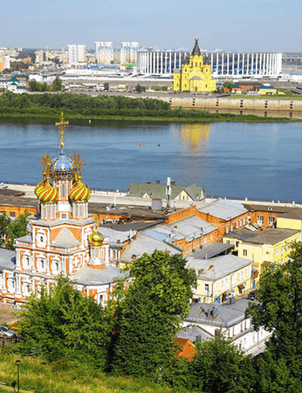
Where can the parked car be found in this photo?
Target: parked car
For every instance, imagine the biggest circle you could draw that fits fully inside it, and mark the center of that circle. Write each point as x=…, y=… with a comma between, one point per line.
x=252, y=295
x=6, y=332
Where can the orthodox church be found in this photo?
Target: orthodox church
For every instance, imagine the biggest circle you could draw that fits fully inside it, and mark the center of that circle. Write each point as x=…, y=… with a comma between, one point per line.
x=195, y=74
x=63, y=238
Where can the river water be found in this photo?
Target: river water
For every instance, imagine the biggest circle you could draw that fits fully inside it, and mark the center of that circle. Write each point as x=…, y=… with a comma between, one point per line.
x=261, y=161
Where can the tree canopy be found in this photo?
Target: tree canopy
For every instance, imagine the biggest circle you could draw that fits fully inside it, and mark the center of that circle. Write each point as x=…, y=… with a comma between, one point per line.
x=149, y=314
x=279, y=310
x=65, y=324
x=4, y=222
x=12, y=229
x=221, y=368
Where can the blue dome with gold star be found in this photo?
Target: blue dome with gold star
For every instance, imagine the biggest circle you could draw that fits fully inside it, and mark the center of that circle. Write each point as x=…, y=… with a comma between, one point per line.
x=62, y=166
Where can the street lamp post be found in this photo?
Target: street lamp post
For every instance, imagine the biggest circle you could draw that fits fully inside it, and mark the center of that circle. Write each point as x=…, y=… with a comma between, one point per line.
x=18, y=363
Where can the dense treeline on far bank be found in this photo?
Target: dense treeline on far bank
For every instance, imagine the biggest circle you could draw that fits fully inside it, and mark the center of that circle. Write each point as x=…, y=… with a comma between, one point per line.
x=41, y=108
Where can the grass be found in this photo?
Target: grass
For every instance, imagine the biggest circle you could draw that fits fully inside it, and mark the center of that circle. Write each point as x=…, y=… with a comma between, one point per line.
x=40, y=377
x=84, y=120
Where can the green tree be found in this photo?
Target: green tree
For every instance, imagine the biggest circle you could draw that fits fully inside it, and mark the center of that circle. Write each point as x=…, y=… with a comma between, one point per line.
x=106, y=86
x=35, y=86
x=57, y=84
x=279, y=310
x=228, y=84
x=44, y=86
x=16, y=228
x=219, y=367
x=149, y=314
x=4, y=222
x=65, y=324
x=140, y=88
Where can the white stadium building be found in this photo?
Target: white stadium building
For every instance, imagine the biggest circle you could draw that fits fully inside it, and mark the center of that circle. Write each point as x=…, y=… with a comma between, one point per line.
x=223, y=64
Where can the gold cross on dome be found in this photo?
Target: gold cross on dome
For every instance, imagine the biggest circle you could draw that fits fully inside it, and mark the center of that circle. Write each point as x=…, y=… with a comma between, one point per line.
x=61, y=125
x=78, y=162
x=45, y=163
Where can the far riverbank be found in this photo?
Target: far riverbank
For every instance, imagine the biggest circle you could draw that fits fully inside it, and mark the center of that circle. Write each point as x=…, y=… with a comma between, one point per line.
x=82, y=109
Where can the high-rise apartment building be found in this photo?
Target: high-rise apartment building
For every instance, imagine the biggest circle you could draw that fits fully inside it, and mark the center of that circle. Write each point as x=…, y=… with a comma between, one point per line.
x=76, y=54
x=104, y=52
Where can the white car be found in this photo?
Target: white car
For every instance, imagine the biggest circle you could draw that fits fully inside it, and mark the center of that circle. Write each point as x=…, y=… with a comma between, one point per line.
x=6, y=332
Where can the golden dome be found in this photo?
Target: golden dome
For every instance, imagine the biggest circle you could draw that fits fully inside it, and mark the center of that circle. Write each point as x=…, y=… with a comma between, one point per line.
x=95, y=238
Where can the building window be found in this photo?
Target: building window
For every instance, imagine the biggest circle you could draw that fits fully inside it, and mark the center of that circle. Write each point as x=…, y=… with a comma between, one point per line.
x=237, y=224
x=234, y=278
x=232, y=227
x=12, y=214
x=237, y=244
x=227, y=229
x=275, y=253
x=240, y=223
x=244, y=253
x=244, y=221
x=206, y=288
x=282, y=250
x=271, y=221
x=260, y=220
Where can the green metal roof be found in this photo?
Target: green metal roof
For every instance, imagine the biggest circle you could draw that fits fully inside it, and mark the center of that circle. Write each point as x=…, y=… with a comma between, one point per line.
x=266, y=87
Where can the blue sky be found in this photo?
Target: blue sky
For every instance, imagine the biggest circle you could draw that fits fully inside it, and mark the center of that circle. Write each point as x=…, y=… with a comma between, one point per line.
x=241, y=25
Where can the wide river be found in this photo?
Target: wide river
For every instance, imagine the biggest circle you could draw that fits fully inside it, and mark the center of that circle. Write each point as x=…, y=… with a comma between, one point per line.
x=262, y=161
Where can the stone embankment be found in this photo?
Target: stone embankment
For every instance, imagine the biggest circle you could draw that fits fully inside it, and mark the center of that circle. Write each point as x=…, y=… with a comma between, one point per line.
x=224, y=103
x=122, y=198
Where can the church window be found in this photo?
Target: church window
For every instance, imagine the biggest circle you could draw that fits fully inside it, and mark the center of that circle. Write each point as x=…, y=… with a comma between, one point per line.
x=63, y=190
x=48, y=211
x=81, y=211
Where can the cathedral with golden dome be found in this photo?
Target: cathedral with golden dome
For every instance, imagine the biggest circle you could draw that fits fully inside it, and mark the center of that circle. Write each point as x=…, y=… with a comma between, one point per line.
x=63, y=239
x=195, y=74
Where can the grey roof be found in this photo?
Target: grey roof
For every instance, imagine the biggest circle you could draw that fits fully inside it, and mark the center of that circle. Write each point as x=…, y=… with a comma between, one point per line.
x=65, y=239
x=216, y=268
x=224, y=209
x=146, y=243
x=196, y=50
x=211, y=250
x=114, y=236
x=268, y=236
x=88, y=276
x=227, y=314
x=7, y=259
x=187, y=228
x=159, y=190
x=193, y=333
x=26, y=239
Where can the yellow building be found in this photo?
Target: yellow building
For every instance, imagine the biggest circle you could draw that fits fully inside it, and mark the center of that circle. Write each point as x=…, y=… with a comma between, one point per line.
x=292, y=219
x=266, y=90
x=273, y=245
x=195, y=74
x=221, y=278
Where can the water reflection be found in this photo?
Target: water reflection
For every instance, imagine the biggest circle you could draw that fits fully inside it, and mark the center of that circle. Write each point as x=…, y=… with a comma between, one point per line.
x=195, y=137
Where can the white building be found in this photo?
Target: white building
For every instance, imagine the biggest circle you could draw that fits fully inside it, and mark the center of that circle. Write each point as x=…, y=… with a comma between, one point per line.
x=76, y=54
x=223, y=64
x=228, y=319
x=128, y=52
x=104, y=52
